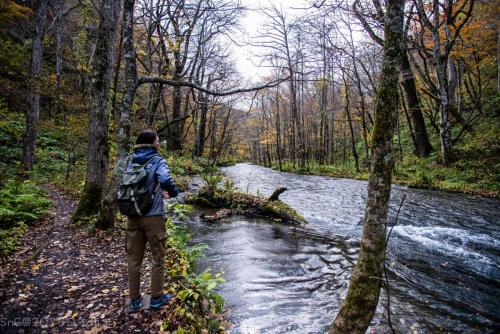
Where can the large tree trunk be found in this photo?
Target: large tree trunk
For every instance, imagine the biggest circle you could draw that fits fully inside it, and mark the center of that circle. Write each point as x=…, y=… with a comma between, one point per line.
x=423, y=146
x=174, y=141
x=33, y=113
x=101, y=75
x=441, y=61
x=361, y=301
x=107, y=214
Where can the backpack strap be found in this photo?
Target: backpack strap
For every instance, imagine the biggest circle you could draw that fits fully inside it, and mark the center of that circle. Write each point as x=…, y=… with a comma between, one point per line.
x=135, y=204
x=156, y=185
x=146, y=163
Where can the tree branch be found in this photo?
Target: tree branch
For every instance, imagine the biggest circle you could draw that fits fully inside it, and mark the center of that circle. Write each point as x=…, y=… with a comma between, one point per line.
x=180, y=83
x=365, y=24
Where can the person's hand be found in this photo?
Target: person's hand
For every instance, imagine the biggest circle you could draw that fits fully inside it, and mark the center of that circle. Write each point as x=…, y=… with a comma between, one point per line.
x=165, y=195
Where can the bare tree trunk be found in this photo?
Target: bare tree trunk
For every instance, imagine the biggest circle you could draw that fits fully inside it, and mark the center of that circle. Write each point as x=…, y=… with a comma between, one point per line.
x=344, y=153
x=444, y=110
x=498, y=58
x=101, y=75
x=400, y=146
x=58, y=25
x=33, y=113
x=331, y=126
x=268, y=155
x=365, y=133
x=155, y=91
x=324, y=99
x=212, y=134
x=362, y=297
x=202, y=126
x=405, y=109
x=182, y=38
x=363, y=112
x=115, y=112
x=107, y=213
x=278, y=130
x=423, y=146
x=174, y=140
x=442, y=46
x=452, y=85
x=353, y=141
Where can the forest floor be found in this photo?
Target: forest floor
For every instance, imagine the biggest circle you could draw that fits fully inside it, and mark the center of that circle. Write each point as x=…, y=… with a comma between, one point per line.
x=66, y=279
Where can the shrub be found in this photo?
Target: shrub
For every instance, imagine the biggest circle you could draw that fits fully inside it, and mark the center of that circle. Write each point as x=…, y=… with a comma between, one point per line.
x=212, y=182
x=197, y=307
x=21, y=204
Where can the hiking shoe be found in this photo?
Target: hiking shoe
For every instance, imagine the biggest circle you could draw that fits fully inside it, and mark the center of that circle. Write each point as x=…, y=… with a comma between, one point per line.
x=135, y=304
x=157, y=302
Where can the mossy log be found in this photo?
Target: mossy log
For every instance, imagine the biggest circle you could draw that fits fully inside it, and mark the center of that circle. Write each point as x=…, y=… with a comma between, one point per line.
x=232, y=202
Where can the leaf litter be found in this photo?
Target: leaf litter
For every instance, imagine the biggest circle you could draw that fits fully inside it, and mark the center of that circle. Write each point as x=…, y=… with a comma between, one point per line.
x=65, y=279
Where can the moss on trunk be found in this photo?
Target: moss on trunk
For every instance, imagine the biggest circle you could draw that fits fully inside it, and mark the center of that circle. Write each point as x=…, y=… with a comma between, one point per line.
x=89, y=204
x=362, y=297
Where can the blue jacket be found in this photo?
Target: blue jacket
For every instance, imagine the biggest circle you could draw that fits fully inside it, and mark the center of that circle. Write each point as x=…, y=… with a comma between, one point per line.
x=158, y=177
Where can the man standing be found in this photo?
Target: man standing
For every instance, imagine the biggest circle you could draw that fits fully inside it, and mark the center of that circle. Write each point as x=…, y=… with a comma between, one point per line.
x=150, y=226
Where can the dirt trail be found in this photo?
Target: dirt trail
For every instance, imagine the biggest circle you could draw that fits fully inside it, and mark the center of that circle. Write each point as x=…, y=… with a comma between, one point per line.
x=66, y=279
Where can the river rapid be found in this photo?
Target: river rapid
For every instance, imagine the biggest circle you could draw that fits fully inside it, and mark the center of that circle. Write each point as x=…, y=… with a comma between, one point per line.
x=443, y=257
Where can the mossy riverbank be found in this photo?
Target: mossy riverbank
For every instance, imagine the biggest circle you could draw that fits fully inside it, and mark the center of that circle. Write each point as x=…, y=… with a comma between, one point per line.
x=475, y=170
x=230, y=202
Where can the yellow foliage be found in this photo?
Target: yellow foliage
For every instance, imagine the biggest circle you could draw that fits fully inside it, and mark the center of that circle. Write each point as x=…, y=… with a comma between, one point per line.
x=11, y=12
x=268, y=137
x=479, y=35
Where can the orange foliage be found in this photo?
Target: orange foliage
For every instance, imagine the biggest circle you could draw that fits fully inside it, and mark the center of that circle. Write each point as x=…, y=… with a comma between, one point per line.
x=478, y=37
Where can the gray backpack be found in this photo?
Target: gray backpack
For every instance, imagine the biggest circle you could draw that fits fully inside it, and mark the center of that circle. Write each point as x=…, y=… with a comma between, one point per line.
x=135, y=197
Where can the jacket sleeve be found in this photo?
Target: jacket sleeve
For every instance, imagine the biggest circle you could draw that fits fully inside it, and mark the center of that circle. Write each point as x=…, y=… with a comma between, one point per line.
x=165, y=179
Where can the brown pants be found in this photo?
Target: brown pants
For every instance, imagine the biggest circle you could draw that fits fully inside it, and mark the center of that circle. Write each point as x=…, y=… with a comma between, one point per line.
x=139, y=231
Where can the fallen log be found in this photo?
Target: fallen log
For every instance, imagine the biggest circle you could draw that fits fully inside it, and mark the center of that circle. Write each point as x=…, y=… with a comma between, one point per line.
x=233, y=202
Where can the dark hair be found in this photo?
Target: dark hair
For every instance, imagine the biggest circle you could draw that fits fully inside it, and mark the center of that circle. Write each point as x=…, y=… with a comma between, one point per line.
x=146, y=137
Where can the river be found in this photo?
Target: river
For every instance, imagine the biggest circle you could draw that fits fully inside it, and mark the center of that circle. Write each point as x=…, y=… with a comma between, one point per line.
x=443, y=257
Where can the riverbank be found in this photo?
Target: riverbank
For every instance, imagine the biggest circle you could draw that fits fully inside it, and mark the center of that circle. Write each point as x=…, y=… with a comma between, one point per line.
x=52, y=283
x=475, y=170
x=441, y=258
x=420, y=175
x=48, y=272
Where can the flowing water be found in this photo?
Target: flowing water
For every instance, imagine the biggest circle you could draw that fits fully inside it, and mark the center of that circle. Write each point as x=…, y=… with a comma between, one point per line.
x=443, y=257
